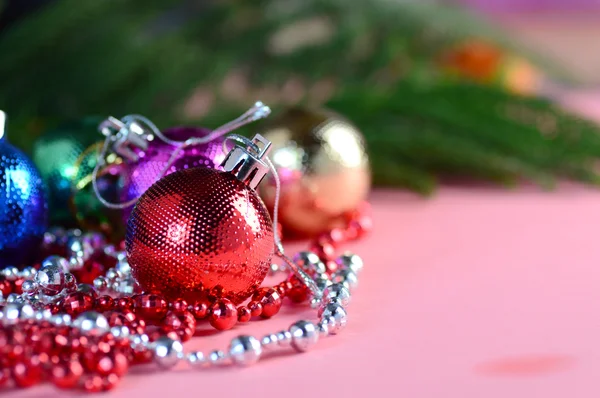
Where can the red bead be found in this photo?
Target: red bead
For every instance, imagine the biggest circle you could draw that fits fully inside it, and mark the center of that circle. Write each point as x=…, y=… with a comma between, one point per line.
x=104, y=303
x=325, y=251
x=171, y=322
x=298, y=293
x=109, y=382
x=200, y=309
x=77, y=303
x=17, y=283
x=183, y=324
x=151, y=307
x=93, y=383
x=331, y=266
x=178, y=305
x=223, y=315
x=27, y=373
x=4, y=377
x=112, y=363
x=244, y=314
x=5, y=287
x=125, y=304
x=270, y=300
x=281, y=290
x=66, y=375
x=255, y=308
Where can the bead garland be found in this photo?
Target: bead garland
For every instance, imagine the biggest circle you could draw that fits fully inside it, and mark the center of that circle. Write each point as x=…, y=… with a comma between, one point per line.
x=78, y=335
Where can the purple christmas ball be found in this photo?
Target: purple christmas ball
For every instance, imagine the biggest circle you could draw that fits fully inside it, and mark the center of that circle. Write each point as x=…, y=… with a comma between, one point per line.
x=142, y=174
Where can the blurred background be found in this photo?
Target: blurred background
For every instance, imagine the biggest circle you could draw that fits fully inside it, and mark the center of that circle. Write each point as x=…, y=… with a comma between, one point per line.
x=437, y=90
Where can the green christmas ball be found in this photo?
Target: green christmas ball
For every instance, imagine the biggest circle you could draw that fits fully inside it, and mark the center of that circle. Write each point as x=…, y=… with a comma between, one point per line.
x=55, y=154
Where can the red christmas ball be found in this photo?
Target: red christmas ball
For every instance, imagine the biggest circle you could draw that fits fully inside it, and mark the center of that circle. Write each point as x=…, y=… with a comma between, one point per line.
x=197, y=231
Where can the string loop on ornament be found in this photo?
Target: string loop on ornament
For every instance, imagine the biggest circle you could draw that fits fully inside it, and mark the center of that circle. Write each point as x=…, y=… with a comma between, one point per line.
x=131, y=129
x=298, y=272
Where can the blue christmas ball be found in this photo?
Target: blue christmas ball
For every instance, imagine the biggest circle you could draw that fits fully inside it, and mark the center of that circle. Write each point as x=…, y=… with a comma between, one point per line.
x=24, y=210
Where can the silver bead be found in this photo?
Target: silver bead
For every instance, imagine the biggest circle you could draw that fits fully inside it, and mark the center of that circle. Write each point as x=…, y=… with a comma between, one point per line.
x=323, y=328
x=61, y=319
x=110, y=250
x=51, y=276
x=70, y=282
x=29, y=287
x=196, y=359
x=309, y=262
x=335, y=312
x=96, y=239
x=100, y=283
x=347, y=278
x=167, y=352
x=13, y=312
x=48, y=239
x=11, y=272
x=273, y=269
x=87, y=289
x=91, y=323
x=322, y=281
x=74, y=232
x=123, y=269
x=304, y=335
x=217, y=357
x=245, y=350
x=28, y=272
x=12, y=298
x=76, y=263
x=80, y=247
x=139, y=342
x=284, y=338
x=111, y=274
x=350, y=261
x=120, y=331
x=337, y=291
x=315, y=303
x=269, y=341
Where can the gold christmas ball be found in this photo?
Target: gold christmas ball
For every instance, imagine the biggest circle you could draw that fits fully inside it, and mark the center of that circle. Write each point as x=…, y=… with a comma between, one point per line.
x=323, y=166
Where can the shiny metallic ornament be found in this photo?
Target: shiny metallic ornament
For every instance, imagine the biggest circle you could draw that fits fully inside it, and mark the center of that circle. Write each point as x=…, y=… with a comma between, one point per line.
x=167, y=352
x=140, y=175
x=350, y=261
x=51, y=276
x=201, y=231
x=337, y=291
x=336, y=316
x=309, y=262
x=346, y=277
x=92, y=323
x=245, y=350
x=55, y=154
x=88, y=211
x=323, y=166
x=304, y=335
x=23, y=205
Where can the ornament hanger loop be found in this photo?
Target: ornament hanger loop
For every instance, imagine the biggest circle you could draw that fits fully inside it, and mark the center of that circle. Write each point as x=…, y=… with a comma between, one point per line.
x=137, y=131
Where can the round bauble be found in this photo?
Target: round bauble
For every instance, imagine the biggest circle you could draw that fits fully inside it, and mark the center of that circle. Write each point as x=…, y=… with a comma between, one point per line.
x=85, y=206
x=140, y=175
x=323, y=167
x=200, y=232
x=55, y=154
x=24, y=214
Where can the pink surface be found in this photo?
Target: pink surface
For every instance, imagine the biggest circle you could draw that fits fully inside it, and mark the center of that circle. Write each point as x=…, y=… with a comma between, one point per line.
x=476, y=293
